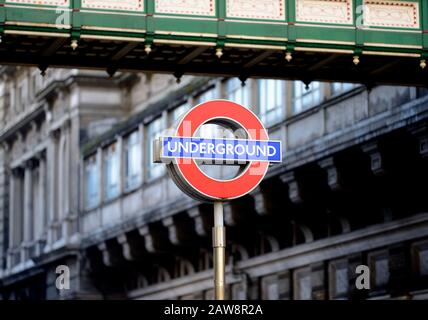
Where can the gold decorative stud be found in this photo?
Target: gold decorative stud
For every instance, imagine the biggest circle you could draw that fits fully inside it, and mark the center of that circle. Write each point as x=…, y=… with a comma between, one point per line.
x=219, y=52
x=423, y=64
x=288, y=56
x=74, y=44
x=356, y=60
x=148, y=48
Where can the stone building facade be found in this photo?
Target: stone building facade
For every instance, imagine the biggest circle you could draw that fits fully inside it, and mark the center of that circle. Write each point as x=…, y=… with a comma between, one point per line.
x=78, y=189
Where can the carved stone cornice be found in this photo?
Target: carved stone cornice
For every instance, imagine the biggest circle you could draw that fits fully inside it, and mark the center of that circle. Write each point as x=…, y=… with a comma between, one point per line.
x=111, y=253
x=131, y=249
x=18, y=172
x=154, y=239
x=201, y=218
x=333, y=175
x=421, y=133
x=376, y=158
x=55, y=134
x=294, y=189
x=31, y=163
x=260, y=203
x=180, y=229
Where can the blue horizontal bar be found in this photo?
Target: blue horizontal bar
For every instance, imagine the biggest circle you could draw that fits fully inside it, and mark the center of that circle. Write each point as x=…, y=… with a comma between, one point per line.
x=221, y=149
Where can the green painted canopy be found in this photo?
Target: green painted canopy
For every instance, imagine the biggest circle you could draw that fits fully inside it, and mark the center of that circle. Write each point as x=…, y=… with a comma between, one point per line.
x=366, y=41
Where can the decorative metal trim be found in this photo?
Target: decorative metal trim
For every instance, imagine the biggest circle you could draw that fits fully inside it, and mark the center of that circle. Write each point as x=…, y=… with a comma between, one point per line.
x=256, y=9
x=324, y=11
x=127, y=5
x=186, y=7
x=376, y=10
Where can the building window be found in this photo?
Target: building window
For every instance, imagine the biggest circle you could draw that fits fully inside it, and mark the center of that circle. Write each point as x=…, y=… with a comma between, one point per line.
x=302, y=284
x=133, y=169
x=339, y=283
x=3, y=94
x=237, y=93
x=239, y=291
x=32, y=88
x=111, y=172
x=22, y=95
x=379, y=266
x=178, y=112
x=306, y=97
x=270, y=288
x=208, y=95
x=420, y=258
x=423, y=262
x=341, y=87
x=208, y=130
x=154, y=130
x=92, y=196
x=271, y=101
x=382, y=272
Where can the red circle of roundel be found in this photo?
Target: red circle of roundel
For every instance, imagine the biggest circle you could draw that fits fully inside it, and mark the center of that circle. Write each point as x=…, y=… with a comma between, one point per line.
x=208, y=187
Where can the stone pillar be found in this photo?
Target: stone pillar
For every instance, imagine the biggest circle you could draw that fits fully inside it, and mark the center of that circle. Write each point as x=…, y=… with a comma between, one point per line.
x=15, y=216
x=28, y=220
x=400, y=268
x=51, y=165
x=41, y=218
x=318, y=281
x=143, y=152
x=12, y=209
x=17, y=209
x=64, y=185
x=12, y=218
x=28, y=202
x=42, y=196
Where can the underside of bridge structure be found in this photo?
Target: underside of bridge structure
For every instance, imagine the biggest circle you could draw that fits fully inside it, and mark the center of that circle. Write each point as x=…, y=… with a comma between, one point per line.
x=365, y=41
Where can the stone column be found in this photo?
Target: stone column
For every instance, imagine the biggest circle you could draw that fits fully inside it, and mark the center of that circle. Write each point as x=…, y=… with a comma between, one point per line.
x=12, y=218
x=41, y=219
x=28, y=220
x=122, y=178
x=51, y=165
x=143, y=152
x=17, y=212
x=100, y=162
x=42, y=196
x=65, y=185
x=12, y=209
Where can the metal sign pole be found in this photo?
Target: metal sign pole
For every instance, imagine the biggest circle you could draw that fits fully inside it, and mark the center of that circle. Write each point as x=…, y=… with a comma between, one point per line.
x=219, y=244
x=190, y=178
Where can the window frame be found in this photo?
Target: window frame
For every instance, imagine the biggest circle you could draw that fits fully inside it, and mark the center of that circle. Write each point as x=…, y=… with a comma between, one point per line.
x=344, y=88
x=233, y=87
x=298, y=275
x=111, y=190
x=298, y=105
x=333, y=268
x=133, y=181
x=265, y=109
x=179, y=111
x=154, y=170
x=91, y=163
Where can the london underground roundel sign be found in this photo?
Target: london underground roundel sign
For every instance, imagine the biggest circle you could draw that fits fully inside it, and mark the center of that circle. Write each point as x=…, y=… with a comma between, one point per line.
x=251, y=149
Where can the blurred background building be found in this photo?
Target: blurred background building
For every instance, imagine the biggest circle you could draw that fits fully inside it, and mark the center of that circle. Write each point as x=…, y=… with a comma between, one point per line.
x=78, y=188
